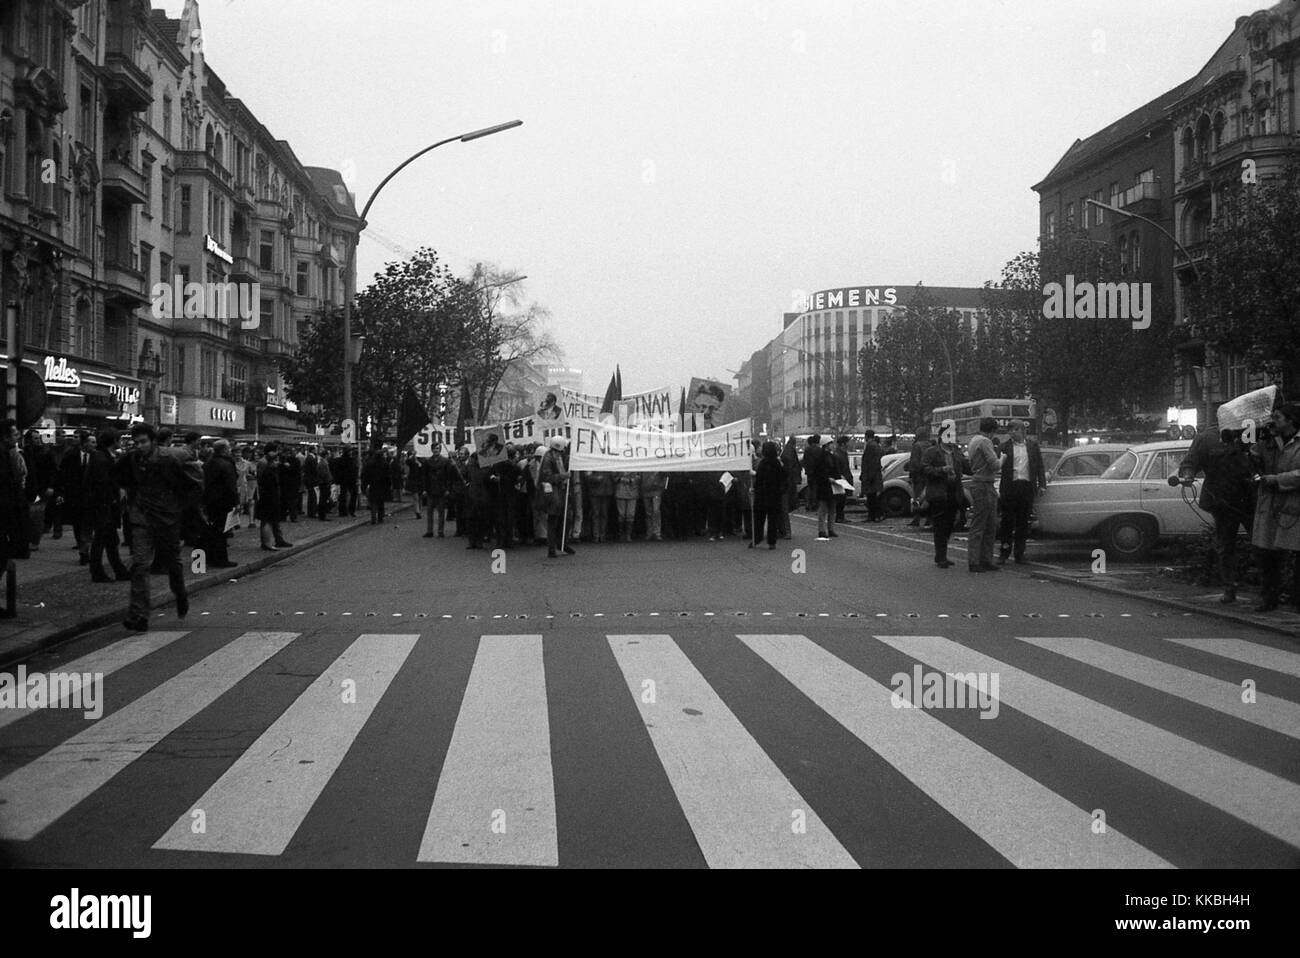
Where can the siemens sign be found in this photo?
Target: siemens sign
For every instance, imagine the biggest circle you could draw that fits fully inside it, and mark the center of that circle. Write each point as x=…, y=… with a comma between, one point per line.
x=852, y=297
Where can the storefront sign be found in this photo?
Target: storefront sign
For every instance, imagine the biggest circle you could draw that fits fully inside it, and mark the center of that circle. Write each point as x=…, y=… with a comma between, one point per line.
x=215, y=249
x=126, y=395
x=167, y=412
x=58, y=371
x=207, y=413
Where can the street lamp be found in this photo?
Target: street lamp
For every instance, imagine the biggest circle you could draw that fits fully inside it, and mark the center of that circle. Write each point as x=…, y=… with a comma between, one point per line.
x=349, y=281
x=1119, y=211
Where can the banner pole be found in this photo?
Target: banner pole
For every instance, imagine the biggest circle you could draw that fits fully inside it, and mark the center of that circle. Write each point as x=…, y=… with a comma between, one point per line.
x=564, y=520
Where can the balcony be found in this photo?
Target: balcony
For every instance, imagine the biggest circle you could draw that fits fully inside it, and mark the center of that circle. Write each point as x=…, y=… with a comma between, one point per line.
x=1269, y=144
x=249, y=339
x=1196, y=174
x=126, y=282
x=200, y=161
x=127, y=84
x=201, y=326
x=122, y=182
x=245, y=197
x=243, y=270
x=1141, y=198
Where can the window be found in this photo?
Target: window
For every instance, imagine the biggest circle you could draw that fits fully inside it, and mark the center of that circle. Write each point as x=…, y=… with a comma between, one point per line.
x=166, y=199
x=1164, y=464
x=268, y=317
x=179, y=384
x=86, y=127
x=186, y=205
x=146, y=263
x=183, y=272
x=1146, y=176
x=167, y=117
x=1069, y=215
x=164, y=267
x=1098, y=213
x=1121, y=468
x=302, y=287
x=1083, y=211
x=266, y=250
x=85, y=219
x=1237, y=375
x=1135, y=251
x=1051, y=225
x=146, y=170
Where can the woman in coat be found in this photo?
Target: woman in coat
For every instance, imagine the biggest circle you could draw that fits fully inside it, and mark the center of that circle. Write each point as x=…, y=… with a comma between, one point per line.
x=770, y=487
x=627, y=490
x=269, y=505
x=1276, y=529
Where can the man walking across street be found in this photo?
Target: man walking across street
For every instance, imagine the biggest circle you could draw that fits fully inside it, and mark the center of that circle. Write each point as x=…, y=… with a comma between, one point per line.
x=70, y=487
x=1277, y=512
x=984, y=464
x=1023, y=478
x=157, y=486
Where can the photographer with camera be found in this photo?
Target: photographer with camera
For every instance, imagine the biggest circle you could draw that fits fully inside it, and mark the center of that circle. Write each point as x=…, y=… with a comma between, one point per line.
x=1276, y=458
x=1228, y=493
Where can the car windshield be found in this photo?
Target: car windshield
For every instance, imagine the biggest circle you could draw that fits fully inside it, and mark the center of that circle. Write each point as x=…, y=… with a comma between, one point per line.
x=1121, y=468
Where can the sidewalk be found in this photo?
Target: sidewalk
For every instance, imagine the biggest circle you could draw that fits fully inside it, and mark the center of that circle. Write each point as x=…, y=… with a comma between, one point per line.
x=57, y=600
x=1184, y=596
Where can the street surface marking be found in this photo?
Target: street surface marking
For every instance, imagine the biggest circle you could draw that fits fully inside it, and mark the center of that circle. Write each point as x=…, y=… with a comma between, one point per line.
x=738, y=803
x=1263, y=656
x=1023, y=820
x=41, y=792
x=1222, y=696
x=495, y=801
x=105, y=661
x=258, y=804
x=1257, y=797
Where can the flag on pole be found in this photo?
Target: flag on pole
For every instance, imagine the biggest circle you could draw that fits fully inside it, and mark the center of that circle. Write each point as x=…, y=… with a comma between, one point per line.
x=681, y=412
x=611, y=396
x=464, y=416
x=412, y=418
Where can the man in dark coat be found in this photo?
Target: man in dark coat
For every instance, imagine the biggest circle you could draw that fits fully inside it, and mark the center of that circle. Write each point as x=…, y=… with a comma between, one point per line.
x=843, y=466
x=376, y=479
x=220, y=495
x=290, y=485
x=504, y=499
x=478, y=502
x=916, y=472
x=347, y=476
x=793, y=475
x=270, y=508
x=872, y=480
x=821, y=469
x=438, y=477
x=1022, y=479
x=103, y=501
x=1228, y=493
x=769, y=494
x=70, y=484
x=12, y=501
x=157, y=486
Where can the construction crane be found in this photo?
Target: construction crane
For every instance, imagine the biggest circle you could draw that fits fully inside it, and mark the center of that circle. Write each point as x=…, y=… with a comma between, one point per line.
x=387, y=243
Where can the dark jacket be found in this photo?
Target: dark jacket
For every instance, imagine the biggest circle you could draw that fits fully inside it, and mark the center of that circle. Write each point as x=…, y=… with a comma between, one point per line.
x=821, y=469
x=916, y=465
x=600, y=484
x=70, y=482
x=220, y=485
x=477, y=492
x=769, y=484
x=376, y=476
x=871, y=471
x=40, y=470
x=344, y=468
x=13, y=507
x=1229, y=484
x=939, y=486
x=439, y=476
x=1037, y=474
x=269, y=476
x=844, y=466
x=157, y=486
x=102, y=493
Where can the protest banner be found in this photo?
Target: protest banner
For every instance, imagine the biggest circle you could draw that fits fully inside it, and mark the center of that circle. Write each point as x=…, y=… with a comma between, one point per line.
x=634, y=410
x=490, y=441
x=430, y=436
x=707, y=398
x=608, y=448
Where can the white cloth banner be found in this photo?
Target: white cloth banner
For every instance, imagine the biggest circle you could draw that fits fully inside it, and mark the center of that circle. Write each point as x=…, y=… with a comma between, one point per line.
x=637, y=409
x=489, y=441
x=607, y=448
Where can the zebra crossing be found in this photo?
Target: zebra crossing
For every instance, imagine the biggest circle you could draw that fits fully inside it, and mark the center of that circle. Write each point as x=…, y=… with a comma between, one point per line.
x=1010, y=787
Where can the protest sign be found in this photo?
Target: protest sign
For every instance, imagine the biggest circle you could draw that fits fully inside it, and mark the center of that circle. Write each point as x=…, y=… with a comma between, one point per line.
x=609, y=448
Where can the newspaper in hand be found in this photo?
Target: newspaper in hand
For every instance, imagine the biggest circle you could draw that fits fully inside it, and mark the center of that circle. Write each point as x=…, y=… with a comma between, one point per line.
x=726, y=479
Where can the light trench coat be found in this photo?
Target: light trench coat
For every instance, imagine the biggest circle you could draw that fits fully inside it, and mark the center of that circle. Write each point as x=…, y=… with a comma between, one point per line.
x=1277, y=511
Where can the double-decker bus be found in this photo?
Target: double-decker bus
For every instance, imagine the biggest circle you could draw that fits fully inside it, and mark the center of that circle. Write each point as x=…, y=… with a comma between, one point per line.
x=966, y=417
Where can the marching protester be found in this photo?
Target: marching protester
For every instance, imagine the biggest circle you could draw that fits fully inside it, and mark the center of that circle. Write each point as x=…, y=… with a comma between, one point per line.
x=220, y=495
x=311, y=478
x=103, y=501
x=942, y=466
x=413, y=480
x=478, y=515
x=536, y=497
x=504, y=476
x=325, y=481
x=985, y=464
x=627, y=490
x=1276, y=527
x=793, y=475
x=69, y=488
x=652, y=490
x=714, y=496
x=438, y=477
x=770, y=492
x=396, y=476
x=554, y=476
x=156, y=486
x=347, y=475
x=600, y=487
x=1022, y=479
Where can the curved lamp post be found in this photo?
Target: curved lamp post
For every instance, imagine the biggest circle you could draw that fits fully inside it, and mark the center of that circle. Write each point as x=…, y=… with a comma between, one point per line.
x=349, y=281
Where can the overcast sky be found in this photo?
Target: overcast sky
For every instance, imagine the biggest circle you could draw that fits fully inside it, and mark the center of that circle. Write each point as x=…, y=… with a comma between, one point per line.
x=683, y=166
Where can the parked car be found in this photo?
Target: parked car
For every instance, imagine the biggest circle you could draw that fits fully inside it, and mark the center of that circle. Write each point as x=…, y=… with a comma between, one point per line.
x=1084, y=462
x=896, y=498
x=1129, y=507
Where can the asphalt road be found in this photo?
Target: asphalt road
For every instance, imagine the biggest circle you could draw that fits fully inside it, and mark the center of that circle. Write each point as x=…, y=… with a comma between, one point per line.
x=388, y=700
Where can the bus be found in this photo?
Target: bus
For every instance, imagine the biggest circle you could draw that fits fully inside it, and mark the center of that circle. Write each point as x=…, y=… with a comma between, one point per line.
x=966, y=417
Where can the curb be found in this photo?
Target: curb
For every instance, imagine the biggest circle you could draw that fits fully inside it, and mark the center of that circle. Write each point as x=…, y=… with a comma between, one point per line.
x=40, y=643
x=1220, y=613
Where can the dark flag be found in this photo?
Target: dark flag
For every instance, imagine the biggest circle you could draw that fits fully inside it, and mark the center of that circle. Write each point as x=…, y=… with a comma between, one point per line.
x=618, y=377
x=465, y=414
x=612, y=395
x=681, y=412
x=412, y=418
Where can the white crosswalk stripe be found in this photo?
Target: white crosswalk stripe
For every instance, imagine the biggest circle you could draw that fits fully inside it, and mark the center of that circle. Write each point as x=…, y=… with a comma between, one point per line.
x=41, y=792
x=105, y=662
x=1251, y=653
x=1267, y=710
x=258, y=804
x=1027, y=823
x=738, y=803
x=1257, y=797
x=495, y=802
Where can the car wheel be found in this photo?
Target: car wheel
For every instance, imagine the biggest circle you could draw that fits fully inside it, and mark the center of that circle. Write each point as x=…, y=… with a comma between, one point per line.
x=896, y=503
x=1128, y=538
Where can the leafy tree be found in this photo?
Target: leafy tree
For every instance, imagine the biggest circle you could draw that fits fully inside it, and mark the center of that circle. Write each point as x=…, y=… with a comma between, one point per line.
x=1246, y=300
